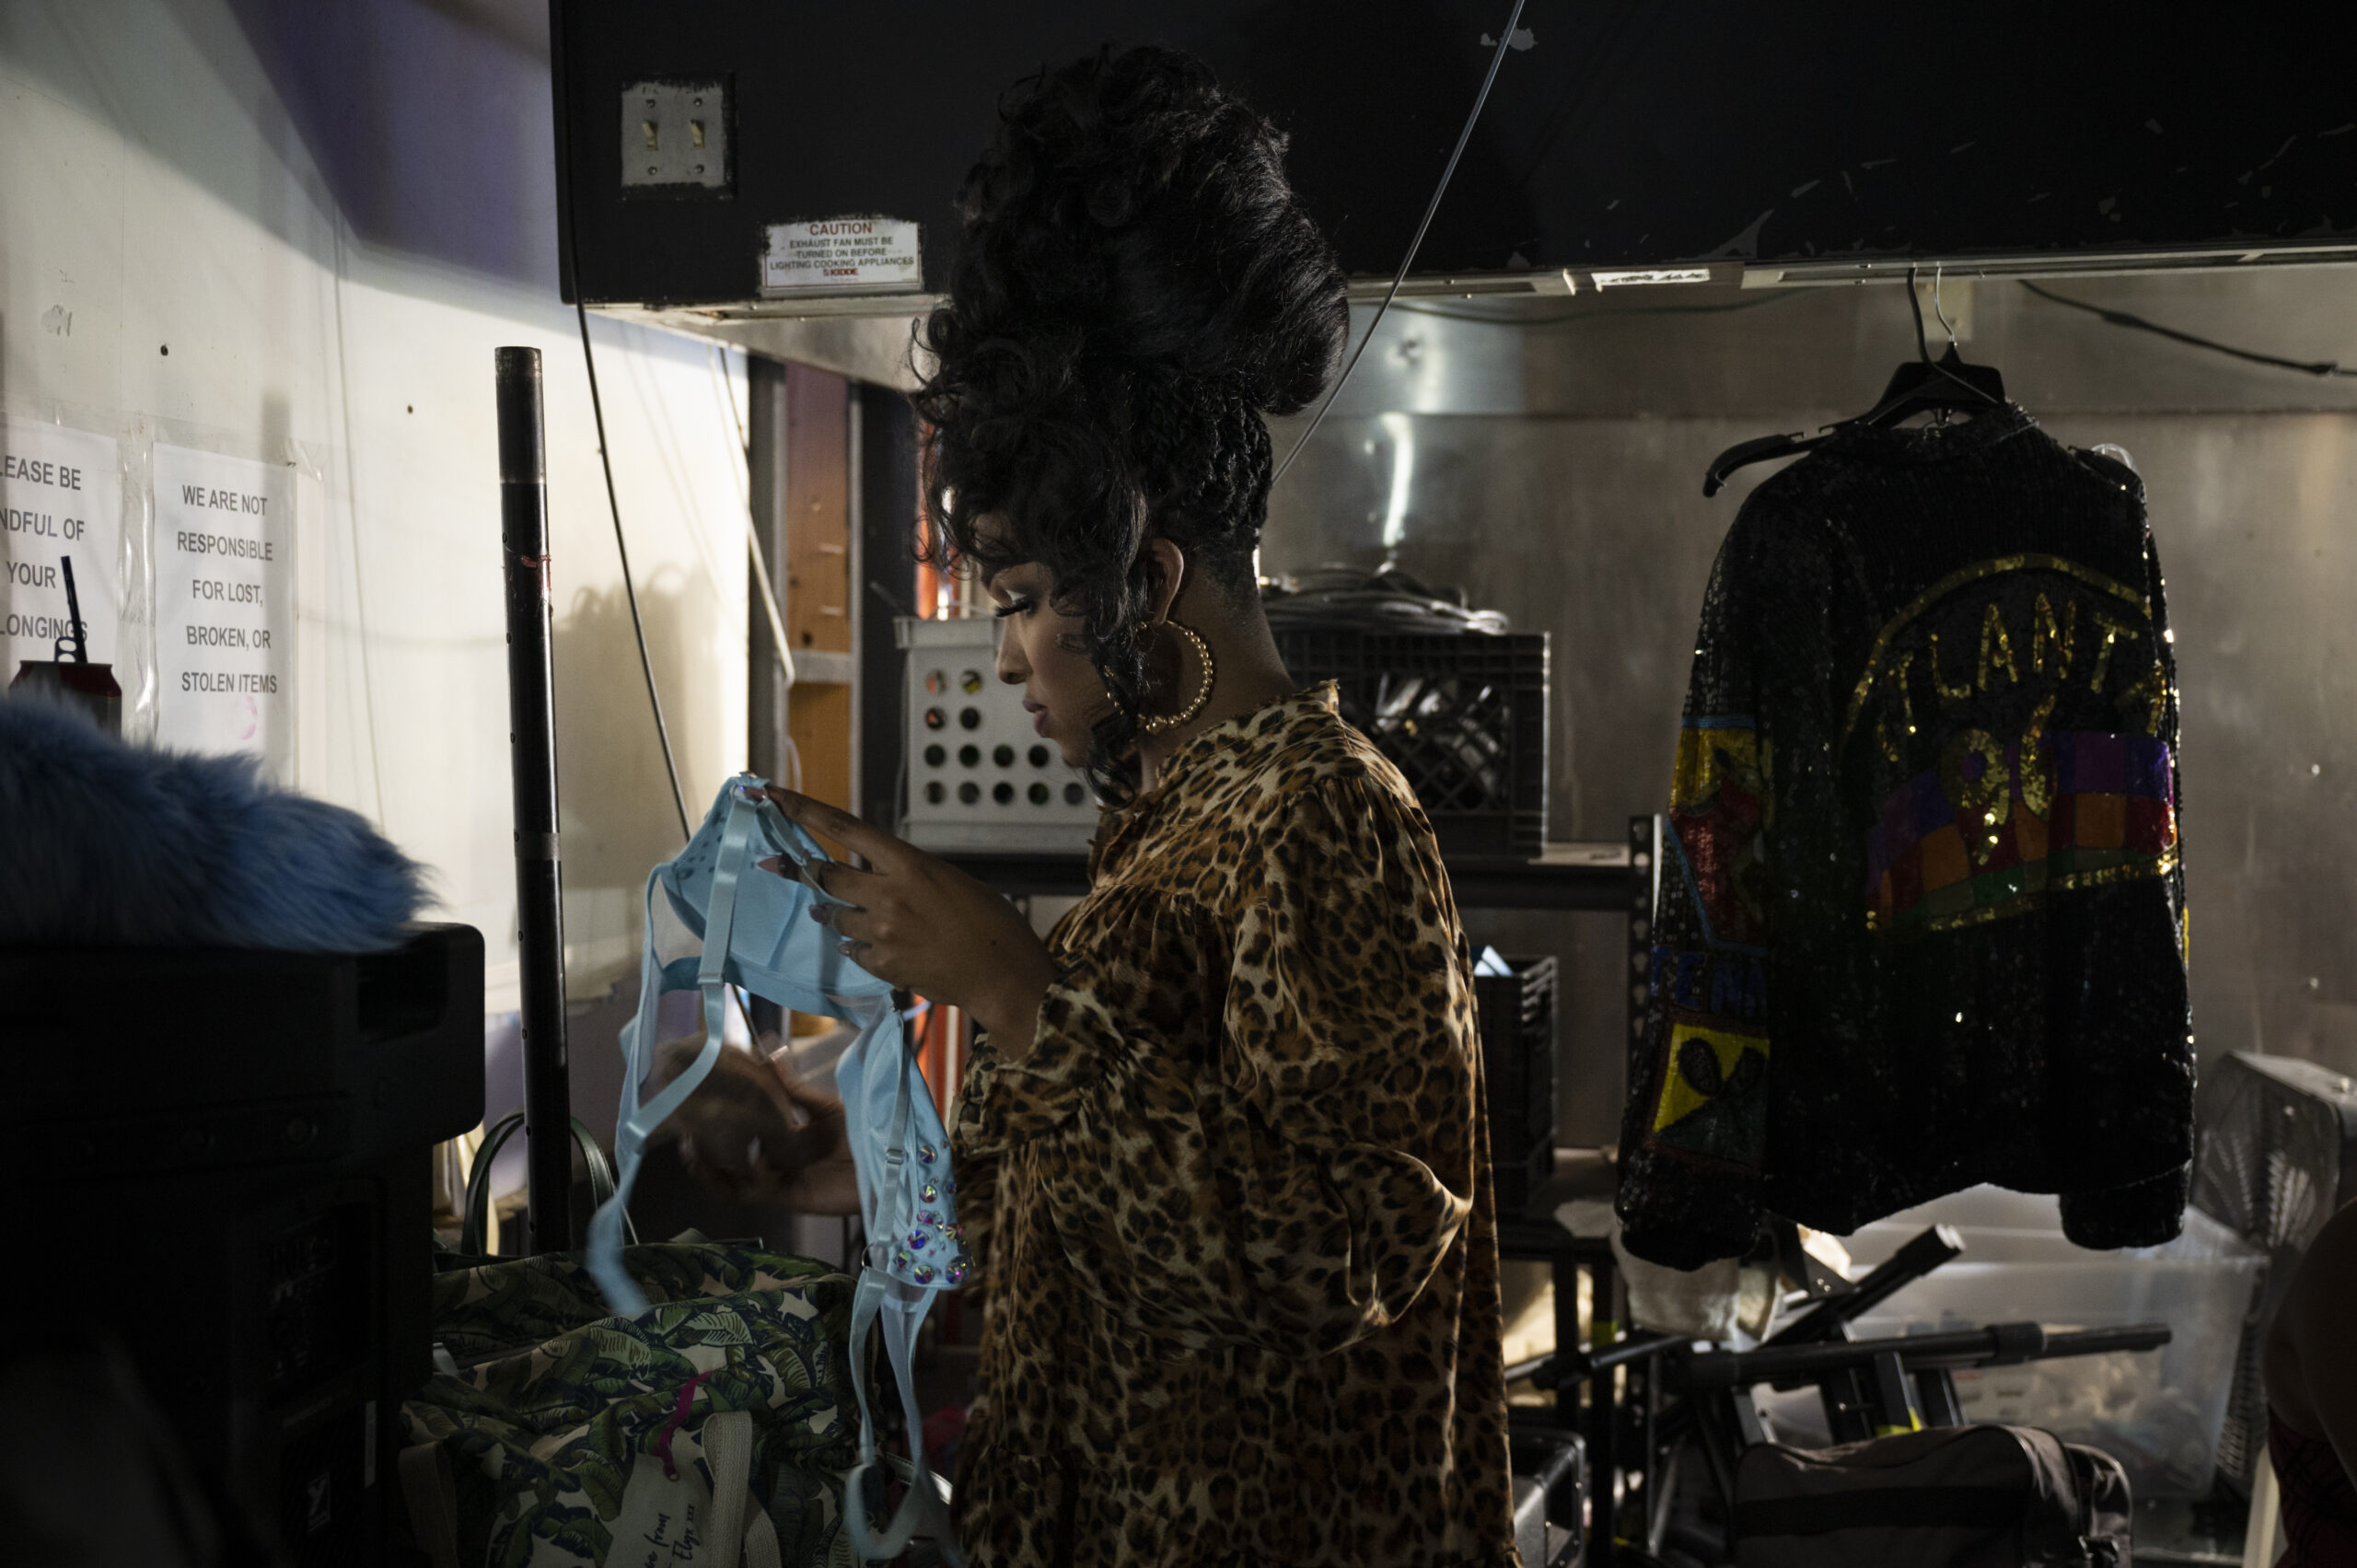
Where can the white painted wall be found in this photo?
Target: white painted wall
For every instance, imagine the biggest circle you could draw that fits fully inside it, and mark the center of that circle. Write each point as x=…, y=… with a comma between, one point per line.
x=331, y=212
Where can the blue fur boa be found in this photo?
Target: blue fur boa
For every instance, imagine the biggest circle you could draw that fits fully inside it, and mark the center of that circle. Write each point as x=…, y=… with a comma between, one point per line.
x=108, y=844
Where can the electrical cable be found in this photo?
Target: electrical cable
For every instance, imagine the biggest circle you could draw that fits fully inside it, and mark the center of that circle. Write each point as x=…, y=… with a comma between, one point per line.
x=571, y=254
x=630, y=591
x=713, y=355
x=638, y=628
x=2124, y=319
x=769, y=588
x=793, y=753
x=1497, y=58
x=752, y=530
x=351, y=513
x=777, y=625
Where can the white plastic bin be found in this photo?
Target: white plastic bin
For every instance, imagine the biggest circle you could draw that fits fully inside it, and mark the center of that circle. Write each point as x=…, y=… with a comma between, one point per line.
x=2159, y=1412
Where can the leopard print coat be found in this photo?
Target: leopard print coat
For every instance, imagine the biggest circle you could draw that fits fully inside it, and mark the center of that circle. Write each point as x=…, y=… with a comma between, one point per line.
x=1232, y=1216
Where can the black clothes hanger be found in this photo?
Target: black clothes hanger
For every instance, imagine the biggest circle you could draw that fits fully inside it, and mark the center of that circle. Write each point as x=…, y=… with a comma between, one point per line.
x=1922, y=385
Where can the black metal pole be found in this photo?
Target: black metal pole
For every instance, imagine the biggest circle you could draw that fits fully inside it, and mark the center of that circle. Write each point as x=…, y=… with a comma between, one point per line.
x=531, y=744
x=1827, y=1319
x=2000, y=1343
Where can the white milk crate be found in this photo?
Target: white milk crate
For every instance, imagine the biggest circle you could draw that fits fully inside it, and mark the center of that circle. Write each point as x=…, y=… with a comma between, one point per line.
x=981, y=779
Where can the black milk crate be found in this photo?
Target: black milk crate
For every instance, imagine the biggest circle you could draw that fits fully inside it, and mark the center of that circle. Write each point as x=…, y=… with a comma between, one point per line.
x=1518, y=1023
x=1462, y=715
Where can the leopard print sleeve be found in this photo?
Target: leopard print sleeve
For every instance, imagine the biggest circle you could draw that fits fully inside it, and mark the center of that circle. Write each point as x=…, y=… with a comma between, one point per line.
x=1257, y=1125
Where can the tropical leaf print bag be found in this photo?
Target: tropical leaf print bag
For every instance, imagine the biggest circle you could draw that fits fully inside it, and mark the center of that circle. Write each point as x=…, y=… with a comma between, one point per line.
x=710, y=1429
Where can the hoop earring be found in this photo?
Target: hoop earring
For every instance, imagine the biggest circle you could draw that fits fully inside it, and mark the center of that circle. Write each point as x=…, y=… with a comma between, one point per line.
x=1163, y=723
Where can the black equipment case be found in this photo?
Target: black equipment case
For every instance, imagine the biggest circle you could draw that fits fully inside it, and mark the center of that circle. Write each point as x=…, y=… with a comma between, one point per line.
x=222, y=1158
x=1947, y=1497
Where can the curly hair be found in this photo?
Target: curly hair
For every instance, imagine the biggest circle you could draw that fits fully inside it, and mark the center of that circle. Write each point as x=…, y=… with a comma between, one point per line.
x=1134, y=286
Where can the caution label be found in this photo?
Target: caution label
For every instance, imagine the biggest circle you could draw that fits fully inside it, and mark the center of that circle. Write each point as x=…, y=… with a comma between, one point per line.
x=842, y=255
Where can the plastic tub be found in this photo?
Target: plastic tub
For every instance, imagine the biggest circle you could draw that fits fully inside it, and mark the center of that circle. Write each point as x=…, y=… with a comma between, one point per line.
x=2159, y=1412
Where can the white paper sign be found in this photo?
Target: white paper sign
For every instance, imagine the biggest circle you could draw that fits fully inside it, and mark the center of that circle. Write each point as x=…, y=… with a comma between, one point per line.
x=831, y=255
x=225, y=603
x=61, y=499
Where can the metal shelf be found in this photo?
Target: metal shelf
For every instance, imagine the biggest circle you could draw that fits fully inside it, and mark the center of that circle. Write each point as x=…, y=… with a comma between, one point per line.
x=1564, y=876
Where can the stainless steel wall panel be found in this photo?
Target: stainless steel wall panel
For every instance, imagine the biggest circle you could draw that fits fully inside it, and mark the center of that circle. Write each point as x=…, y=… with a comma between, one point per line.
x=1555, y=471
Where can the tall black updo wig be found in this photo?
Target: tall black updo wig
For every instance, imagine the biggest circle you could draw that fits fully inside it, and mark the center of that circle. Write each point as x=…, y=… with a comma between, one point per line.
x=1134, y=286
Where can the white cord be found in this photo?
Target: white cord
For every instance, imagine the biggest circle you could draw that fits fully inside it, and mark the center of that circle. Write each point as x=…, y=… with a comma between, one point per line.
x=752, y=530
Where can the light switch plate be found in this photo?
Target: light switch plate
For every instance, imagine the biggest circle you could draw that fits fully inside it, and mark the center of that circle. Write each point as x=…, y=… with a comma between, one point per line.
x=676, y=139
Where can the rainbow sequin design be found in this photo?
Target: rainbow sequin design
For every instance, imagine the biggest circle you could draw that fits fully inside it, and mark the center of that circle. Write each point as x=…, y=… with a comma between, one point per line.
x=1986, y=835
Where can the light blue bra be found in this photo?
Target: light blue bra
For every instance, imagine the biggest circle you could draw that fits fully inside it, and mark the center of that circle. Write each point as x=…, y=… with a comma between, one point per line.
x=757, y=933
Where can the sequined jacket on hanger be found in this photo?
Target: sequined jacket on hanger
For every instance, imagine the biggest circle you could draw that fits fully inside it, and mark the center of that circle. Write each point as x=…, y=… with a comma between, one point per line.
x=1920, y=915
x=1231, y=1218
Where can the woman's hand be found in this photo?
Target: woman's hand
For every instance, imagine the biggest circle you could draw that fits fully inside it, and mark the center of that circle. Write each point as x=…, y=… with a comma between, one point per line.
x=753, y=1132
x=926, y=926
